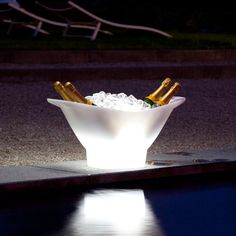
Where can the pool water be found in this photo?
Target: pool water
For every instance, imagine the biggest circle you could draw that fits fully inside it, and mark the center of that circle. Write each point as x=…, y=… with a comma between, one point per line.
x=169, y=207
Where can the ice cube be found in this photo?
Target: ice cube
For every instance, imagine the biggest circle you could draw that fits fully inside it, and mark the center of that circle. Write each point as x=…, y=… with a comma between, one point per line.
x=119, y=101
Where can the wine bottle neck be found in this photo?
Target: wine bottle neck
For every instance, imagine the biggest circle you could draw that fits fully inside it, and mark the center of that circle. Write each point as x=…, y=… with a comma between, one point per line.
x=77, y=97
x=160, y=90
x=60, y=89
x=167, y=97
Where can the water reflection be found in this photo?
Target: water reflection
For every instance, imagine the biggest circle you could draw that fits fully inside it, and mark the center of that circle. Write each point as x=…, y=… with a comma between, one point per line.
x=113, y=212
x=190, y=207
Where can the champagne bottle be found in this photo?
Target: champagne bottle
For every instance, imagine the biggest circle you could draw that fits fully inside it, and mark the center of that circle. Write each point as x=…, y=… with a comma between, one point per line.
x=166, y=97
x=155, y=96
x=77, y=97
x=60, y=89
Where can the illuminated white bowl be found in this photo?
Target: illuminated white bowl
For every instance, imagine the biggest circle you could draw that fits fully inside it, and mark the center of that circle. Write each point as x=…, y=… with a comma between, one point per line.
x=113, y=138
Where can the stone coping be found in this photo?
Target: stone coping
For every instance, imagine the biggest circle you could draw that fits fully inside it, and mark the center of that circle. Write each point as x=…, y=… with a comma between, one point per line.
x=77, y=174
x=33, y=65
x=115, y=56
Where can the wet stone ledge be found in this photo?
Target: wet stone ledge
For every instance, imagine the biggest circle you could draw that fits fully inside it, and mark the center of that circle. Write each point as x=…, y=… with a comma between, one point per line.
x=77, y=174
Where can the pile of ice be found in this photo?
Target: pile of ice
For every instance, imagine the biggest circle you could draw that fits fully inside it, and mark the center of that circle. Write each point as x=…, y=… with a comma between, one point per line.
x=119, y=101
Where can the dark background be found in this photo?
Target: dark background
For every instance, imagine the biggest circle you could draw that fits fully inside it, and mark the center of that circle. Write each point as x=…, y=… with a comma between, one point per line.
x=193, y=16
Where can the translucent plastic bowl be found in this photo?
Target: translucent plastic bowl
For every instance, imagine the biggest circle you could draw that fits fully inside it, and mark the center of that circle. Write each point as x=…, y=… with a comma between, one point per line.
x=112, y=138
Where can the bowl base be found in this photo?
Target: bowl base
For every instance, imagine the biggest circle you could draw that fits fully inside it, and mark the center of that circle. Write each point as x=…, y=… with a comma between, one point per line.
x=116, y=159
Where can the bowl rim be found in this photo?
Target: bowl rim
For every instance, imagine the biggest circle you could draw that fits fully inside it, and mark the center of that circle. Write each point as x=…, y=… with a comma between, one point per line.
x=173, y=101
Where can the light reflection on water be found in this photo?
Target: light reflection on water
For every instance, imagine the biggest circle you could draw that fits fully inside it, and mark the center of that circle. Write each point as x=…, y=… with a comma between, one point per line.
x=113, y=212
x=195, y=207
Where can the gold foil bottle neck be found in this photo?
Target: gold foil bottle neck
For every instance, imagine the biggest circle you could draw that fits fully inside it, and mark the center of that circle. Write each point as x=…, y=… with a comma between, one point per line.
x=77, y=97
x=60, y=89
x=171, y=92
x=156, y=95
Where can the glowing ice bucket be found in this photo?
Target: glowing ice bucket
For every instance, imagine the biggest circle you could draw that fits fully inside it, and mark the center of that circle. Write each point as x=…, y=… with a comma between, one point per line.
x=113, y=138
